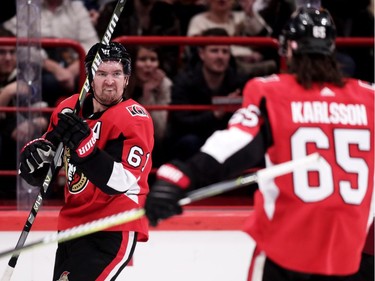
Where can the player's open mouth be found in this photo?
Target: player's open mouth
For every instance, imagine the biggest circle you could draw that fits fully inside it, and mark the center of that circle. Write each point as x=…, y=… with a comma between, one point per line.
x=109, y=90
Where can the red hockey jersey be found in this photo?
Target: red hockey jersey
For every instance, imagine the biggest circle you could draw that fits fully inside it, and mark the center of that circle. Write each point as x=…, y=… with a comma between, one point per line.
x=125, y=132
x=315, y=219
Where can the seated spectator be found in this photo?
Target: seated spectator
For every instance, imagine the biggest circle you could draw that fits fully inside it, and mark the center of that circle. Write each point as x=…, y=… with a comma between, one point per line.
x=13, y=127
x=186, y=9
x=62, y=19
x=146, y=17
x=246, y=22
x=212, y=76
x=150, y=86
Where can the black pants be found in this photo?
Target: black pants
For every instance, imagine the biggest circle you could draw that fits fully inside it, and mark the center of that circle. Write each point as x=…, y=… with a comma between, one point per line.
x=93, y=257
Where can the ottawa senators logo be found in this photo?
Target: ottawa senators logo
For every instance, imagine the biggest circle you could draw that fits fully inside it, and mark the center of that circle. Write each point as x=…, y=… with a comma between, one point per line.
x=76, y=181
x=136, y=110
x=64, y=276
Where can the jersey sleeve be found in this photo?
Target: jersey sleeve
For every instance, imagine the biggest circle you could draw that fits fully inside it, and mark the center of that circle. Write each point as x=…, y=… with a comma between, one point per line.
x=123, y=162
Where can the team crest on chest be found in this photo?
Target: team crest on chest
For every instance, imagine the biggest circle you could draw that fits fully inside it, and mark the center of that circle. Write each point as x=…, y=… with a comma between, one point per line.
x=76, y=181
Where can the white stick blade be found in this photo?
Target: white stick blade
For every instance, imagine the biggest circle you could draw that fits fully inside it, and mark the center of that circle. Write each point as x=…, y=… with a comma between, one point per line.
x=7, y=274
x=287, y=167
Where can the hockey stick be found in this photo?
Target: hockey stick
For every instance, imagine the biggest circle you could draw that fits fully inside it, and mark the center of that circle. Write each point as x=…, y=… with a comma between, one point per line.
x=60, y=149
x=225, y=186
x=193, y=196
x=81, y=230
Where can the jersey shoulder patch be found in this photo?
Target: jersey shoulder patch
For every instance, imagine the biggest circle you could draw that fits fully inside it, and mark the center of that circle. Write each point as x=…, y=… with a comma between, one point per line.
x=137, y=110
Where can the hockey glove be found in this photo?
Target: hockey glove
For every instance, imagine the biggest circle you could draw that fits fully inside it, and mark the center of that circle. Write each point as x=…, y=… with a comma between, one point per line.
x=35, y=159
x=169, y=188
x=75, y=134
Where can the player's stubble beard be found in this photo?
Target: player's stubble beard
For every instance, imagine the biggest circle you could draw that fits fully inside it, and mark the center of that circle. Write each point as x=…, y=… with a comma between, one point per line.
x=108, y=102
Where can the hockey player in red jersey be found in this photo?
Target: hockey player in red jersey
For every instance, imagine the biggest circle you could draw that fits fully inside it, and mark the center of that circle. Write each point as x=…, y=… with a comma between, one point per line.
x=107, y=163
x=310, y=224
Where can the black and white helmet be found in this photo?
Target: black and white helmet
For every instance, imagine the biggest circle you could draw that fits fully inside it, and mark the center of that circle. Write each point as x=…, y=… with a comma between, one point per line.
x=310, y=31
x=112, y=52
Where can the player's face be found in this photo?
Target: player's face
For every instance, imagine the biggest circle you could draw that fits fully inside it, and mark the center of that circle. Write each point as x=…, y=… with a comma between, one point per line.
x=109, y=82
x=215, y=58
x=146, y=64
x=7, y=60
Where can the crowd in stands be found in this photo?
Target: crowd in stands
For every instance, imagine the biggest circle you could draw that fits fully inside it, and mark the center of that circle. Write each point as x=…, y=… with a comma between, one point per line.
x=159, y=77
x=213, y=75
x=61, y=19
x=14, y=127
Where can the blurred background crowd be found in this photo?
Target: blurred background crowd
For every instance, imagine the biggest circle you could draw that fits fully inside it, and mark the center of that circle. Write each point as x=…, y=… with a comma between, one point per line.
x=166, y=75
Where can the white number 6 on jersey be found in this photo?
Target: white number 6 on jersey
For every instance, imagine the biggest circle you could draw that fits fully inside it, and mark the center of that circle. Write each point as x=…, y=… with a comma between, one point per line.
x=342, y=139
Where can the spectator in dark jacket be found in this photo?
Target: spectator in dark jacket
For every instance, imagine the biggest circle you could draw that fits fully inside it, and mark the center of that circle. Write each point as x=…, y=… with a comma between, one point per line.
x=213, y=76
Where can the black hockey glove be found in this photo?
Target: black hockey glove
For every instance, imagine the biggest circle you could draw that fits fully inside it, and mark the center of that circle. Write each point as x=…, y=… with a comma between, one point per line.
x=35, y=159
x=75, y=134
x=162, y=201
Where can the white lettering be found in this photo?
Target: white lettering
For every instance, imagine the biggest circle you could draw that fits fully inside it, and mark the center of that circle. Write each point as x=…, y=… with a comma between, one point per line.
x=297, y=115
x=86, y=85
x=248, y=117
x=320, y=112
x=111, y=26
x=329, y=113
x=169, y=172
x=335, y=116
x=95, y=65
x=87, y=146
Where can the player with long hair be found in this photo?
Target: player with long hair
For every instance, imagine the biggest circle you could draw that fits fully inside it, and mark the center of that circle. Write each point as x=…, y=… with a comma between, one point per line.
x=310, y=224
